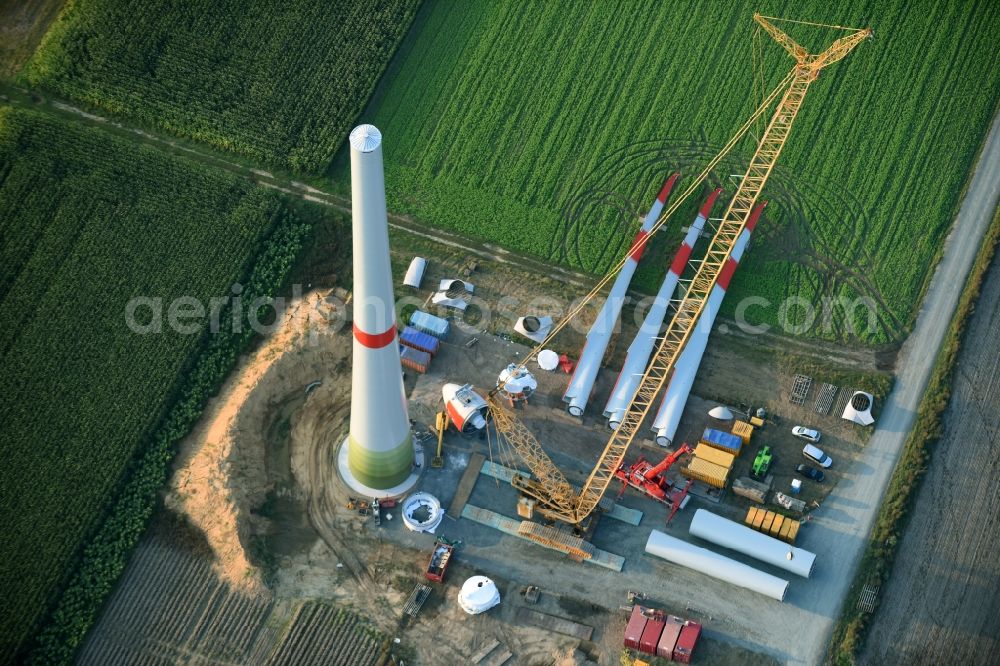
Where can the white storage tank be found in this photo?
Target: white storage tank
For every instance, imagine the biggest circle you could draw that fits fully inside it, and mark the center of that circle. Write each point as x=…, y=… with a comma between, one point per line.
x=722, y=532
x=715, y=565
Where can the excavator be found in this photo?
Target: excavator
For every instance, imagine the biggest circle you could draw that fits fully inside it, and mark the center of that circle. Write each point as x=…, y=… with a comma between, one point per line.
x=649, y=479
x=554, y=497
x=441, y=422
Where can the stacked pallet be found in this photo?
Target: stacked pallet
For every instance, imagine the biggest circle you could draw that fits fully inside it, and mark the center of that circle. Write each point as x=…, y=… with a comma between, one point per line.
x=772, y=524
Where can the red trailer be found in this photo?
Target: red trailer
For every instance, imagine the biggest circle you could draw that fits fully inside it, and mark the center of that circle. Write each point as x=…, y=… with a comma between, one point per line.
x=636, y=625
x=440, y=559
x=686, y=642
x=668, y=639
x=651, y=634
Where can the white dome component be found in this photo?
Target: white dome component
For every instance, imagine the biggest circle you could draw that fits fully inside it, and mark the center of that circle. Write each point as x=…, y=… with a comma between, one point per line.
x=517, y=381
x=422, y=512
x=721, y=413
x=715, y=565
x=548, y=359
x=478, y=594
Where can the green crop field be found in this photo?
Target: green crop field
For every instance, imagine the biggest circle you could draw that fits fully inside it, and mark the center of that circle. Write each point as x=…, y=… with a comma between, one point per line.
x=276, y=82
x=546, y=127
x=87, y=222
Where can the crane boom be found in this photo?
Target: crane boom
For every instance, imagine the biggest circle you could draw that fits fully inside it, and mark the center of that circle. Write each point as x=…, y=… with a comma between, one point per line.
x=556, y=498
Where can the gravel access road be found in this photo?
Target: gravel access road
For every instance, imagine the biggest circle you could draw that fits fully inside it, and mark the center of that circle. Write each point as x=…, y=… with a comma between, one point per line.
x=843, y=523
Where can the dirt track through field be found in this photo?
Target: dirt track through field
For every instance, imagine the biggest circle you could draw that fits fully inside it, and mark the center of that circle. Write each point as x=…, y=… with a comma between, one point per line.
x=942, y=603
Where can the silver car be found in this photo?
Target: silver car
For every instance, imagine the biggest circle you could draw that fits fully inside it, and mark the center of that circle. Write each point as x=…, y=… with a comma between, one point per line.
x=815, y=454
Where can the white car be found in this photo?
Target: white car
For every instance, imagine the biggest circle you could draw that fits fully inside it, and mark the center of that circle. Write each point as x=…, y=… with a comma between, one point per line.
x=806, y=434
x=815, y=454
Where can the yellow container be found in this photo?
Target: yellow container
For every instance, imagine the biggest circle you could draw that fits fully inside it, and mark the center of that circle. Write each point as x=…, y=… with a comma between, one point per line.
x=776, y=524
x=751, y=514
x=743, y=430
x=714, y=456
x=793, y=530
x=756, y=422
x=710, y=473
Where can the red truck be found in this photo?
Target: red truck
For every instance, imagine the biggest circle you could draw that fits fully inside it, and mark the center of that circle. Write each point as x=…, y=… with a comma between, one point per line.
x=440, y=558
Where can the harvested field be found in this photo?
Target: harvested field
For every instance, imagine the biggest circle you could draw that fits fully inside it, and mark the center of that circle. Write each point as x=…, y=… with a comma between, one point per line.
x=171, y=608
x=942, y=602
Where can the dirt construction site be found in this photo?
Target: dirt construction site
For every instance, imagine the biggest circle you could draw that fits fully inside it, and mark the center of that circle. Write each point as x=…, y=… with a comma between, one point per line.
x=267, y=525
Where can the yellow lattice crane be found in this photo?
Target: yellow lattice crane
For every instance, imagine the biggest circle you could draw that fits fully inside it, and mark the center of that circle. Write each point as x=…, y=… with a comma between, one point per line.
x=555, y=497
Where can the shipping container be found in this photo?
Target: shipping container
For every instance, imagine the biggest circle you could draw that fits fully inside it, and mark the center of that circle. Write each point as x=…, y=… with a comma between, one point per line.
x=414, y=359
x=635, y=627
x=668, y=639
x=428, y=323
x=710, y=473
x=756, y=422
x=651, y=634
x=722, y=440
x=743, y=430
x=411, y=337
x=686, y=642
x=714, y=456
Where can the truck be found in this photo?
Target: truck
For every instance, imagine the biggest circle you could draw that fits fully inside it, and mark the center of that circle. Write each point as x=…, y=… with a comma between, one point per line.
x=440, y=558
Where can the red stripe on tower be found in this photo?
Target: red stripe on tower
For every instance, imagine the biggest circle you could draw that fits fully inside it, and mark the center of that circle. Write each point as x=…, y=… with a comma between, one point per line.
x=726, y=274
x=638, y=246
x=681, y=259
x=375, y=340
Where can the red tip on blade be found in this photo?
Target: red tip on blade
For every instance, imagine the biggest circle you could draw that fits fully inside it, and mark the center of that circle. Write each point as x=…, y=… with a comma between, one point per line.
x=638, y=246
x=681, y=259
x=667, y=186
x=706, y=208
x=727, y=273
x=755, y=215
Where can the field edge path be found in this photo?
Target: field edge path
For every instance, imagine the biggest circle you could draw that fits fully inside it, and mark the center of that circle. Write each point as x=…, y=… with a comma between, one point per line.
x=862, y=499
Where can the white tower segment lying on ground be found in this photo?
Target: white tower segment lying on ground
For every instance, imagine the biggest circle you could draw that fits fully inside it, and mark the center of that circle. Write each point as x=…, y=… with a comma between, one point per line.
x=686, y=367
x=379, y=448
x=728, y=534
x=715, y=565
x=582, y=382
x=642, y=346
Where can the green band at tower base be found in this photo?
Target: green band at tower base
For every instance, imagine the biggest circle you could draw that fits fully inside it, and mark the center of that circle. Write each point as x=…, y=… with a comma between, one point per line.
x=380, y=469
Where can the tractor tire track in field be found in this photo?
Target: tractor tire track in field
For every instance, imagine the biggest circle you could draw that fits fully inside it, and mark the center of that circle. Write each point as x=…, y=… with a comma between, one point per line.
x=812, y=224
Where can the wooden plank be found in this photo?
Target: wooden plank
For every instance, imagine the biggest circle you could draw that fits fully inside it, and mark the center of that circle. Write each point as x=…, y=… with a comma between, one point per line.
x=555, y=623
x=466, y=484
x=479, y=656
x=498, y=659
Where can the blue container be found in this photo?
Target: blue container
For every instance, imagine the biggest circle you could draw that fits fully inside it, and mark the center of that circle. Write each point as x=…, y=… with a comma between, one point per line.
x=724, y=441
x=426, y=342
x=428, y=323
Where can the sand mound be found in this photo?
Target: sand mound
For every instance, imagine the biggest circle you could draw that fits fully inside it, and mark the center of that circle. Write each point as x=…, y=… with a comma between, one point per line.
x=220, y=473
